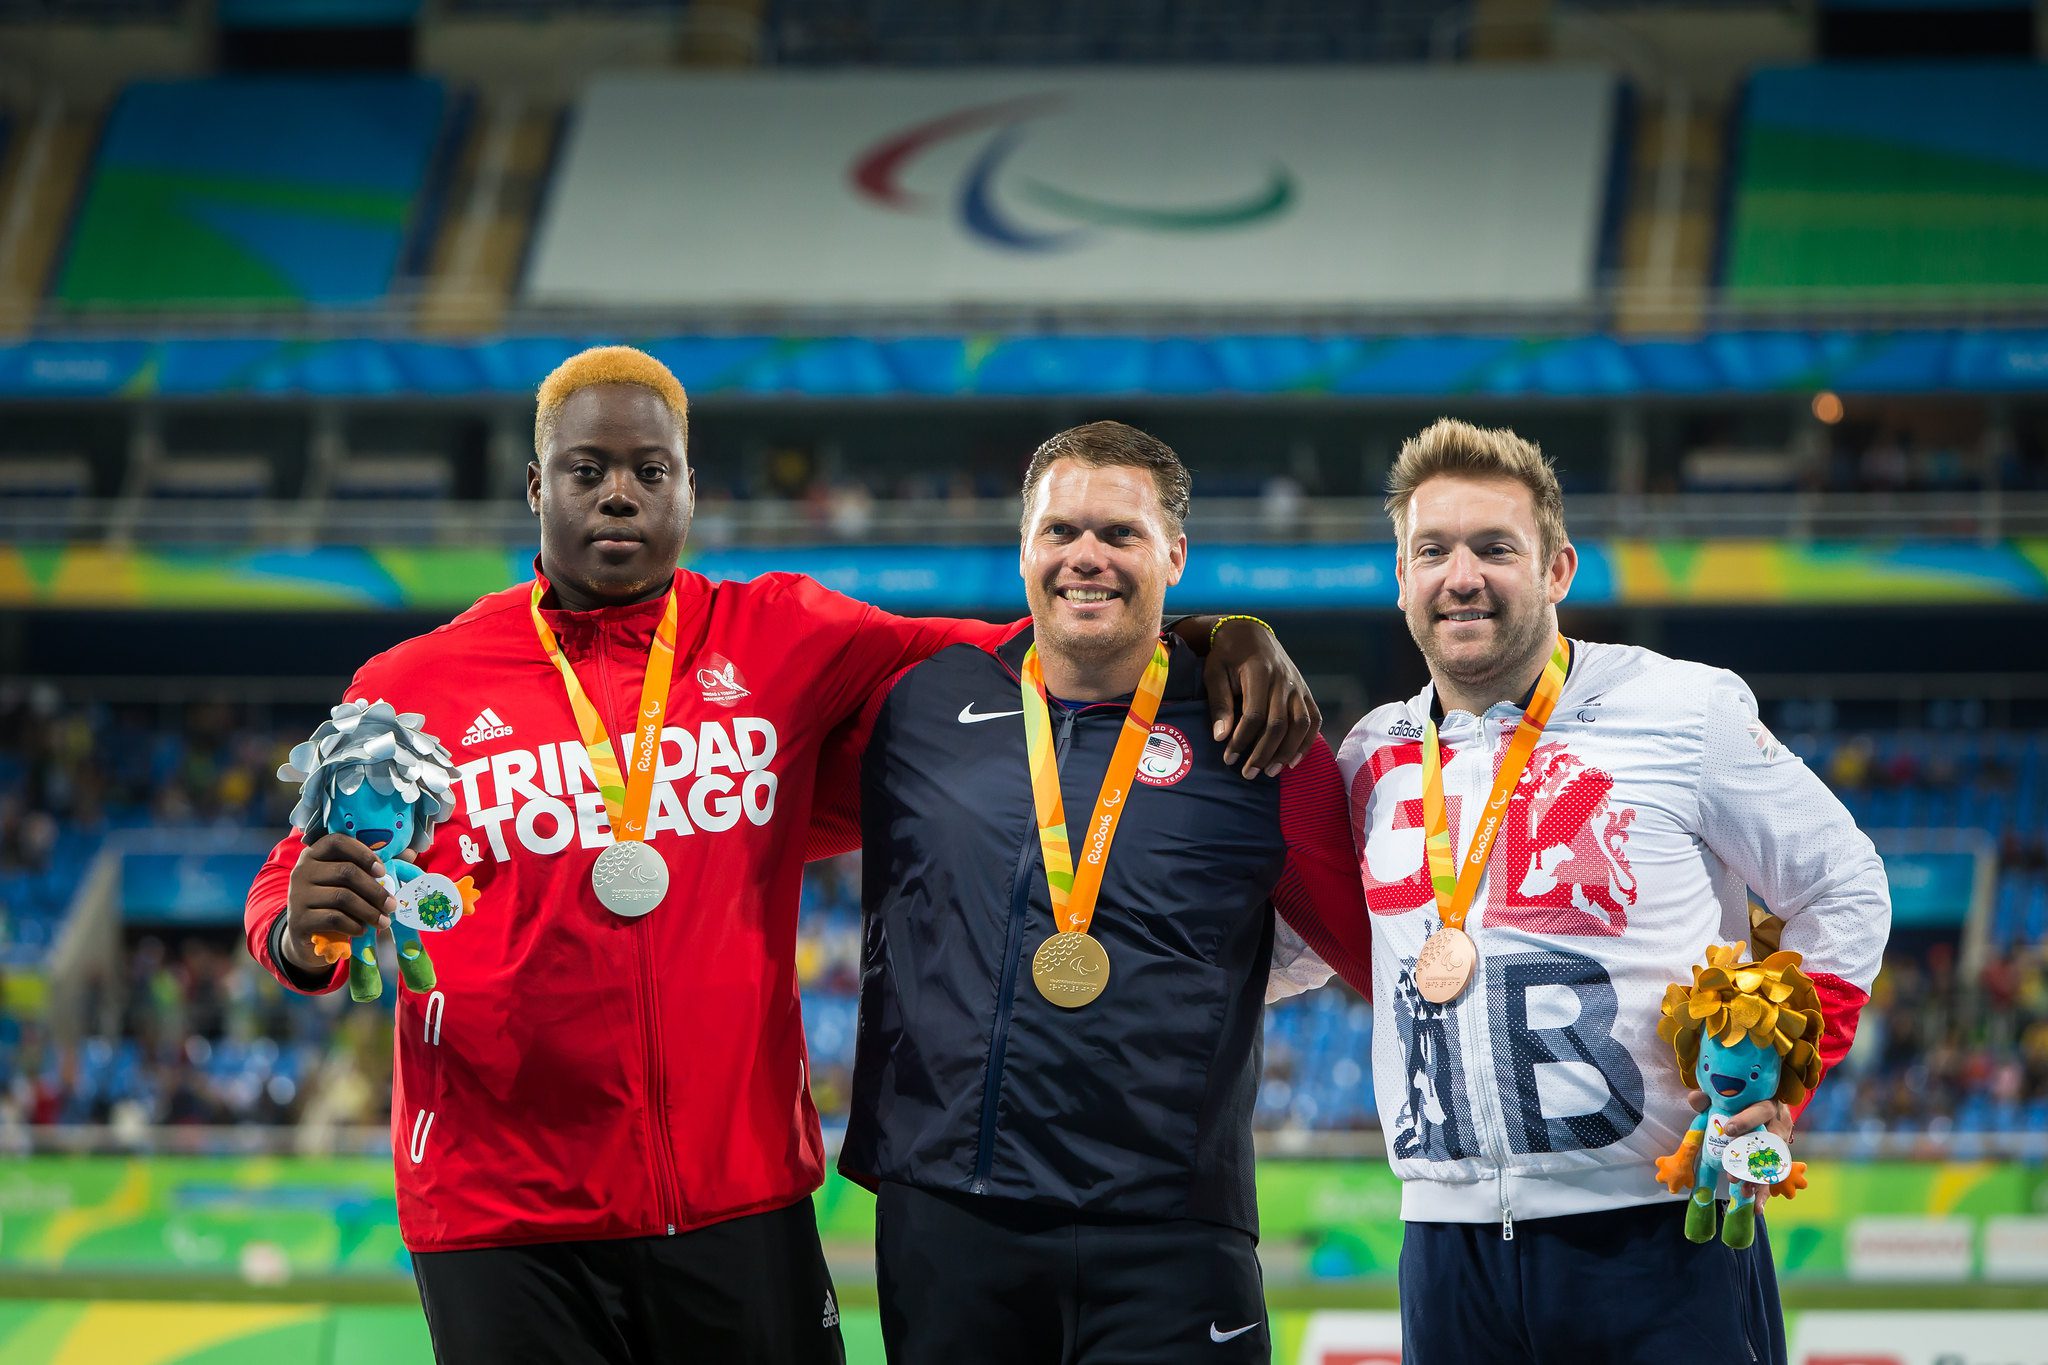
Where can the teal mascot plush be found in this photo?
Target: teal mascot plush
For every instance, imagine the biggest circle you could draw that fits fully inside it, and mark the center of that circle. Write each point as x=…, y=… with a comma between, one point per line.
x=376, y=776
x=1743, y=1032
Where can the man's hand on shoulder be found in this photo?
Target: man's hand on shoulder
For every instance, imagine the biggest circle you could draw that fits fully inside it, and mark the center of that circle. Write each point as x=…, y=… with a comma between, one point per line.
x=1259, y=704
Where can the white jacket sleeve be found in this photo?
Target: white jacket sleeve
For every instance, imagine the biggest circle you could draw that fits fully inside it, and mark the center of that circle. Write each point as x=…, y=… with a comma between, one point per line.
x=1295, y=968
x=1767, y=816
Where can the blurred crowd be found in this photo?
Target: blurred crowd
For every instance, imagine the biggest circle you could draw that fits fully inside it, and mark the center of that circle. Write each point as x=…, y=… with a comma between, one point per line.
x=1941, y=1050
x=190, y=1032
x=193, y=1033
x=88, y=768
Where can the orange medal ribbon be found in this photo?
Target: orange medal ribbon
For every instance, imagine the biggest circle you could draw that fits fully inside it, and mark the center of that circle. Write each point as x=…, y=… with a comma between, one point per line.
x=1456, y=888
x=625, y=797
x=1074, y=891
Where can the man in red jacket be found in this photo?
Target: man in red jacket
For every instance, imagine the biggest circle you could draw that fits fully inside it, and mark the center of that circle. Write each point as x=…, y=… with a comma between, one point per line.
x=601, y=1116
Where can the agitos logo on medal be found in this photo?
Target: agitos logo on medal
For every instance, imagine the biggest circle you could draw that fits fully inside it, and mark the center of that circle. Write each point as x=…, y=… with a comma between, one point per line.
x=876, y=176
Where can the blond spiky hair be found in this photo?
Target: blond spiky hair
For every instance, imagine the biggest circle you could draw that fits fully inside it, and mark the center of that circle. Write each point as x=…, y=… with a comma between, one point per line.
x=606, y=365
x=1771, y=1002
x=1448, y=447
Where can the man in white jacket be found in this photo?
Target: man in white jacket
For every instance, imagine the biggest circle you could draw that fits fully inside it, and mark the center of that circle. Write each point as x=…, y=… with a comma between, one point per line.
x=1602, y=813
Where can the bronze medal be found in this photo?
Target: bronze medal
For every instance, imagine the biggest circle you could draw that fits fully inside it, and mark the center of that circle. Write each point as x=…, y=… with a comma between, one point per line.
x=1070, y=969
x=1444, y=965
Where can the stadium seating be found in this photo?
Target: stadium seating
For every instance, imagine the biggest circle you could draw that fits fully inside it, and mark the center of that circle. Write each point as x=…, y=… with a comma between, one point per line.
x=1904, y=181
x=909, y=33
x=203, y=195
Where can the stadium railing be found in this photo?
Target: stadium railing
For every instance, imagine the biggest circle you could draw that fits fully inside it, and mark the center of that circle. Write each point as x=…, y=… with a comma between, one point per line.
x=1796, y=517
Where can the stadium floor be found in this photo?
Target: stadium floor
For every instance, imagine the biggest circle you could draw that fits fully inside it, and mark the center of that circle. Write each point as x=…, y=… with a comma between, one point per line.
x=94, y=1320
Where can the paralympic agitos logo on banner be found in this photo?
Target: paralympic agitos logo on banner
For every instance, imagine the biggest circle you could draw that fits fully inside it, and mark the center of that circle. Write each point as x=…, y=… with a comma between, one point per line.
x=991, y=191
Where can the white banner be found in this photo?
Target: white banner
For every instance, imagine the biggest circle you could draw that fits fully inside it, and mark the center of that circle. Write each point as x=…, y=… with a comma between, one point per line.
x=2016, y=1247
x=1815, y=1338
x=1933, y=1338
x=1103, y=189
x=1917, y=1249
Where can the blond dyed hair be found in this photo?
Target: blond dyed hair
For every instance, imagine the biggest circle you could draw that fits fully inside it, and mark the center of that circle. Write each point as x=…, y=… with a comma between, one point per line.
x=607, y=365
x=1461, y=450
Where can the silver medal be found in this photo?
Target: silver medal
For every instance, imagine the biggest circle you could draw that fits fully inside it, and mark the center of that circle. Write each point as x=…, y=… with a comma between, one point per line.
x=630, y=879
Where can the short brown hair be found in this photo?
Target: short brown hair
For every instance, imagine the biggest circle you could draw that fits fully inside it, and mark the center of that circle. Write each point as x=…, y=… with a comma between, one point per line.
x=1448, y=446
x=606, y=365
x=1103, y=445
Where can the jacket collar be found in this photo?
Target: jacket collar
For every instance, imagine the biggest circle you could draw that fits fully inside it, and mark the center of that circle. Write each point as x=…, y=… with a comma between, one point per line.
x=634, y=617
x=1183, y=668
x=1427, y=705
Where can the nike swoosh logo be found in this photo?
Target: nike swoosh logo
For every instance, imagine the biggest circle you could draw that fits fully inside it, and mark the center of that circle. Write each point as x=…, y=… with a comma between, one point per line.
x=1217, y=1336
x=968, y=716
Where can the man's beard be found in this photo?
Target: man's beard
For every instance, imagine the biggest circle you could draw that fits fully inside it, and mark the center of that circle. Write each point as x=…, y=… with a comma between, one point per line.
x=1086, y=646
x=1519, y=638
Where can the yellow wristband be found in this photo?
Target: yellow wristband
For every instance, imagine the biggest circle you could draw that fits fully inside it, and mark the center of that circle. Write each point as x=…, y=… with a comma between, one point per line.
x=1221, y=619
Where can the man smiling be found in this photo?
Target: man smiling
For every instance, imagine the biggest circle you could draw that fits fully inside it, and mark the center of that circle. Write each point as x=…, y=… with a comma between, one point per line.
x=1549, y=833
x=601, y=1117
x=1069, y=920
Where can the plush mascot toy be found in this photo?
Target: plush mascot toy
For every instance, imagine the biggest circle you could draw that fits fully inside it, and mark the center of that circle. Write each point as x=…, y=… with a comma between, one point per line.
x=1743, y=1032
x=374, y=775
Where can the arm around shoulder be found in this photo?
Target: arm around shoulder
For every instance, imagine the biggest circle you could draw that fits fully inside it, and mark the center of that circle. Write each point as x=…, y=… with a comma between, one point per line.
x=1320, y=895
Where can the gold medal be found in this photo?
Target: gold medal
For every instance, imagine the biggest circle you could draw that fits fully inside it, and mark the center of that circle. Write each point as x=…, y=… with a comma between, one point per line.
x=1070, y=969
x=1444, y=965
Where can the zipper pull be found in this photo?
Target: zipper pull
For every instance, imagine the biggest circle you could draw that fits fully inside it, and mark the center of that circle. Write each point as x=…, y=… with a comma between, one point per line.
x=1507, y=1223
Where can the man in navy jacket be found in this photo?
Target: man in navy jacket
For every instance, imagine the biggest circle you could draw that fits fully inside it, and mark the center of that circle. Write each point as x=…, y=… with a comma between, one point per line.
x=1055, y=1074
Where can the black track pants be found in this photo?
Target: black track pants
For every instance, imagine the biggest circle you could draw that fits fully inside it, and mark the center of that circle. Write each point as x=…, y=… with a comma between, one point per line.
x=751, y=1291
x=1001, y=1282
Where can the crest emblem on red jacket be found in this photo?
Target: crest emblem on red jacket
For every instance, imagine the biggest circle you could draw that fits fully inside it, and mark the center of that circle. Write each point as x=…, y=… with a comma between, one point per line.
x=721, y=681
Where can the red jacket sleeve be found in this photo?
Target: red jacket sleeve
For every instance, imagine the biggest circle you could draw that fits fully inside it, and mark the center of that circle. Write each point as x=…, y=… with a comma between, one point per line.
x=835, y=809
x=1841, y=1005
x=259, y=916
x=1320, y=894
x=875, y=646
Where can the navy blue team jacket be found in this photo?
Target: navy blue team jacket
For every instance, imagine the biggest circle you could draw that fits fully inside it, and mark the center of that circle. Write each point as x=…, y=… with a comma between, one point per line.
x=1139, y=1103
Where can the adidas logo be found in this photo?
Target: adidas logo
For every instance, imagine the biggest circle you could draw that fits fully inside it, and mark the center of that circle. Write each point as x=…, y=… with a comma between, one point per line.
x=1405, y=729
x=831, y=1318
x=485, y=726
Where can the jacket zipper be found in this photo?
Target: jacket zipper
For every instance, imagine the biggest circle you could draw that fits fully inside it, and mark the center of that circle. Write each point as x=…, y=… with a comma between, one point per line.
x=660, y=1140
x=1496, y=1122
x=1006, y=993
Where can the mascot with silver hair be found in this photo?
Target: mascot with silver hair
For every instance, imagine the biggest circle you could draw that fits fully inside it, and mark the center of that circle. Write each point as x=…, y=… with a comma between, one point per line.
x=374, y=775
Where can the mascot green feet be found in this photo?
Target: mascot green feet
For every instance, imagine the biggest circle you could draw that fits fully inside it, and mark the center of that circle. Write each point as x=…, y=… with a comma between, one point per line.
x=365, y=982
x=1699, y=1217
x=416, y=968
x=1738, y=1229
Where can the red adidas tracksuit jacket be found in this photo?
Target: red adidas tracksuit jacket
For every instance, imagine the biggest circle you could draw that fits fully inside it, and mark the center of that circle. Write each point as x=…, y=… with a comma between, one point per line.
x=577, y=1075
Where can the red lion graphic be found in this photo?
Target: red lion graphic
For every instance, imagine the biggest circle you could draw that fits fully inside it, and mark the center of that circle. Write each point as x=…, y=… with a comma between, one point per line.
x=1560, y=866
